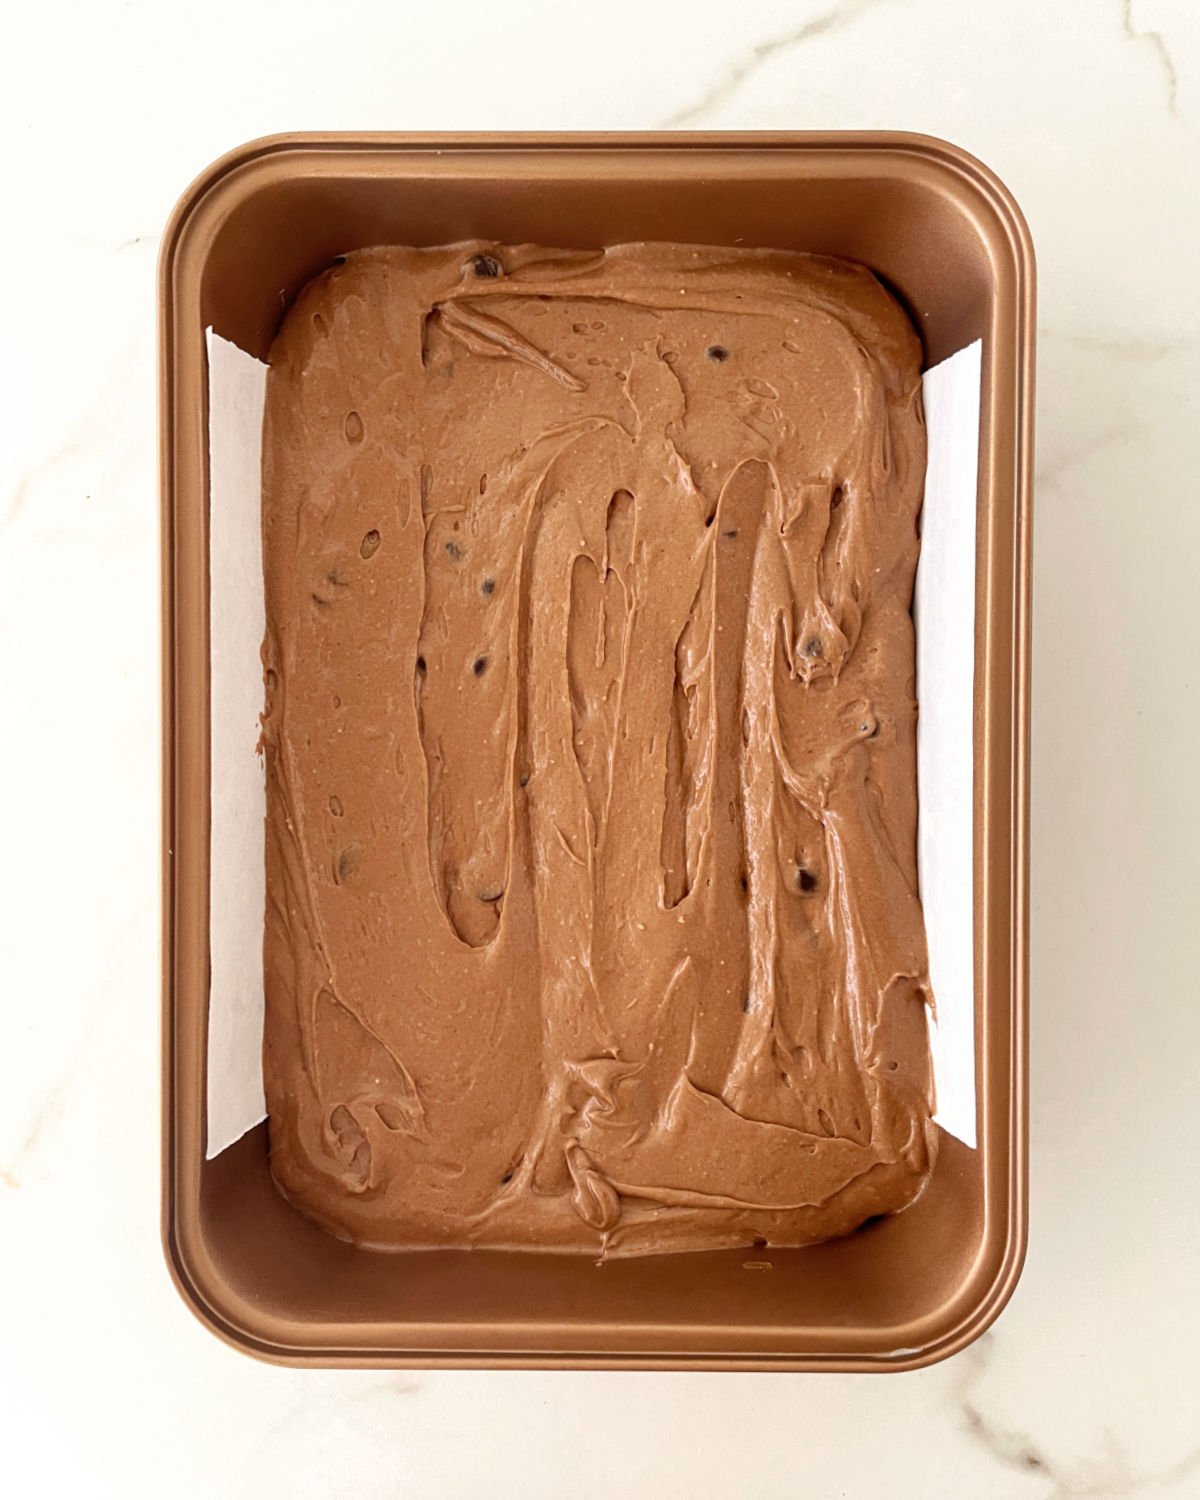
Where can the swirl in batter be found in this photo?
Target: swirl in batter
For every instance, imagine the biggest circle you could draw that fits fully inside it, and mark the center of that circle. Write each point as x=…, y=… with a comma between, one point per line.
x=590, y=732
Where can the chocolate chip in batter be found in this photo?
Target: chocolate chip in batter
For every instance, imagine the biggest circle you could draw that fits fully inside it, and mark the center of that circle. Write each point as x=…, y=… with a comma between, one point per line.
x=486, y=266
x=479, y=665
x=806, y=881
x=453, y=551
x=421, y=665
x=814, y=647
x=488, y=587
x=717, y=352
x=369, y=545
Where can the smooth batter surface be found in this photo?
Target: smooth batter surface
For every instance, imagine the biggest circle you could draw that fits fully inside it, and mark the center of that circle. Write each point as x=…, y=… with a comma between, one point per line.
x=592, y=917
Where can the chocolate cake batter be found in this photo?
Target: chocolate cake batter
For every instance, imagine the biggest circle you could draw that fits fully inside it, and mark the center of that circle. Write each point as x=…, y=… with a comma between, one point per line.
x=590, y=733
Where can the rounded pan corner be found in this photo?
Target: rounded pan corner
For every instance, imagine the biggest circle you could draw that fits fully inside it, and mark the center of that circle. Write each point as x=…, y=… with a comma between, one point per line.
x=967, y=174
x=960, y=1327
x=232, y=1327
x=223, y=167
x=211, y=180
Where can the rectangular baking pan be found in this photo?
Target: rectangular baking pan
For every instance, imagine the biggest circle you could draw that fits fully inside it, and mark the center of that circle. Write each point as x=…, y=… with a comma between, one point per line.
x=947, y=237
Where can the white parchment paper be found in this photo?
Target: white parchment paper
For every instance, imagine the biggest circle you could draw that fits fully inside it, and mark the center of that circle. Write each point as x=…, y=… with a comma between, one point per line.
x=237, y=879
x=945, y=619
x=944, y=613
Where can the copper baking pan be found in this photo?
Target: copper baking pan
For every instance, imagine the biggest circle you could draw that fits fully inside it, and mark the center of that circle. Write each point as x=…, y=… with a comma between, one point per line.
x=946, y=235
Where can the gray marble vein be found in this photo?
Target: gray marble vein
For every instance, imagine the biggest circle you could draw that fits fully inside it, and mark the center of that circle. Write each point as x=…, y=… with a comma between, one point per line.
x=1109, y=1473
x=83, y=436
x=1013, y=1449
x=1158, y=42
x=1141, y=351
x=31, y=477
x=739, y=72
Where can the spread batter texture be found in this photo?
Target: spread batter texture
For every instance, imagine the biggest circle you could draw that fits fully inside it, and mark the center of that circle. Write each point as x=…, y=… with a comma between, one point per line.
x=592, y=916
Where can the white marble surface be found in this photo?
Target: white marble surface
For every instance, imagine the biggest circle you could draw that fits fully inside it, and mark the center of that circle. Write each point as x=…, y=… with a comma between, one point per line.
x=1090, y=109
